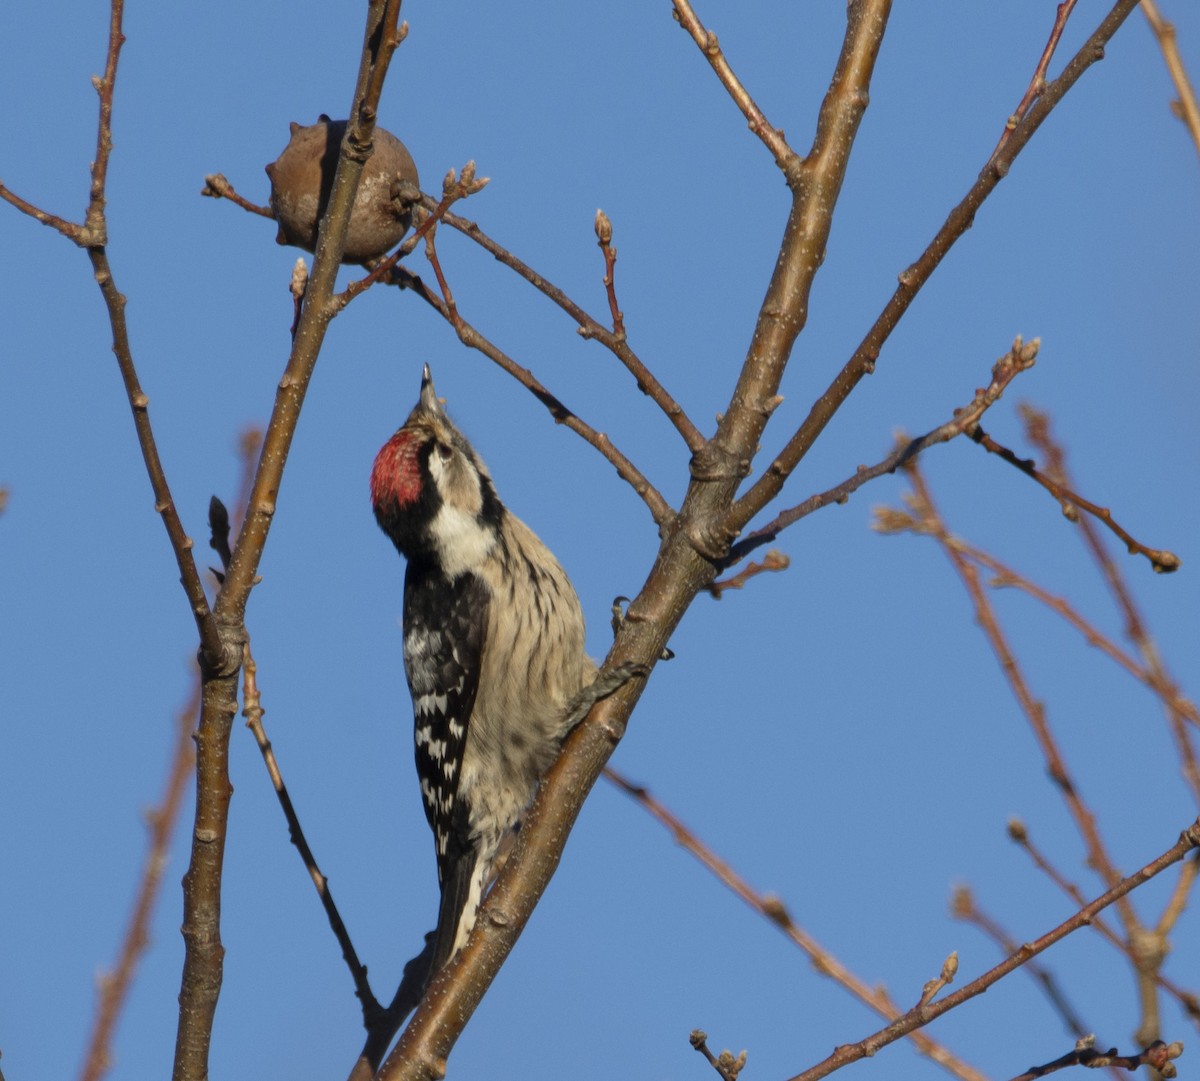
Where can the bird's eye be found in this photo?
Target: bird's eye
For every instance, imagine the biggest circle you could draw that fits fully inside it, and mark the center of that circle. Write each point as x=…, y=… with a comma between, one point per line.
x=444, y=451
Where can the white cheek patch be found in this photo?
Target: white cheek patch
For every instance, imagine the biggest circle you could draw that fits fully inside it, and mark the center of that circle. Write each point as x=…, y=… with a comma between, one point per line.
x=460, y=540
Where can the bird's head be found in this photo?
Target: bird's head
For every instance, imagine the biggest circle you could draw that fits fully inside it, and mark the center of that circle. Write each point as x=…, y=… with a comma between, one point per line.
x=427, y=478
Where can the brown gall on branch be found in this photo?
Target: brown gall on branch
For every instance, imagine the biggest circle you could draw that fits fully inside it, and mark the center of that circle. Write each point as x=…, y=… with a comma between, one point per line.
x=1189, y=840
x=725, y=1063
x=454, y=189
x=1038, y=83
x=588, y=327
x=203, y=958
x=1021, y=357
x=774, y=910
x=1158, y=1056
x=1161, y=560
x=1186, y=106
x=913, y=279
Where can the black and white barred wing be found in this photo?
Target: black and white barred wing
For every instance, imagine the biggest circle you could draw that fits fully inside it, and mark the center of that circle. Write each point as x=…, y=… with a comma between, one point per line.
x=443, y=645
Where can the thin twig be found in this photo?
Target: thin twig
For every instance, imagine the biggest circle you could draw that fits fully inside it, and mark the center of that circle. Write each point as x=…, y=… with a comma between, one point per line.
x=865, y=356
x=933, y=525
x=774, y=560
x=454, y=189
x=1005, y=576
x=1021, y=357
x=1187, y=1000
x=604, y=235
x=1158, y=1056
x=660, y=510
x=1038, y=83
x=726, y=1064
x=216, y=186
x=92, y=236
x=253, y=711
x=1186, y=107
x=923, y=1015
x=114, y=986
x=772, y=137
x=964, y=907
x=588, y=327
x=774, y=910
x=1037, y=427
x=1161, y=560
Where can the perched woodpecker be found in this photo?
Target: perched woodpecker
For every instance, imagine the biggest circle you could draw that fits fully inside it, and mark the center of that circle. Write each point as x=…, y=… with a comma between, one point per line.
x=493, y=651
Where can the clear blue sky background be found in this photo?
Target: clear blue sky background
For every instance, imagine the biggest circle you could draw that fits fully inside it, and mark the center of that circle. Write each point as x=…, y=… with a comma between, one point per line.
x=840, y=732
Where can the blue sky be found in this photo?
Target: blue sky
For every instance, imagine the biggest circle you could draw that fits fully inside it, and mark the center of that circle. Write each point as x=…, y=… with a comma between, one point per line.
x=840, y=732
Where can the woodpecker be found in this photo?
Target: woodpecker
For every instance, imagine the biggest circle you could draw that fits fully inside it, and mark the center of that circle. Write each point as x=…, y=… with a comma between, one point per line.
x=493, y=651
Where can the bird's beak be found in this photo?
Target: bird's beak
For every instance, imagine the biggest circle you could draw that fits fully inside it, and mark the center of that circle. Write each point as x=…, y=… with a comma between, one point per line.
x=429, y=398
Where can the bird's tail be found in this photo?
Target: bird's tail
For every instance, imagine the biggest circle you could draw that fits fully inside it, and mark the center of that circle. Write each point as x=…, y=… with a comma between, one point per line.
x=462, y=892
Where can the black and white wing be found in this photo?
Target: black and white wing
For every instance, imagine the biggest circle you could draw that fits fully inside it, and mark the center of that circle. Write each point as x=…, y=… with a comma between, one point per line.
x=444, y=625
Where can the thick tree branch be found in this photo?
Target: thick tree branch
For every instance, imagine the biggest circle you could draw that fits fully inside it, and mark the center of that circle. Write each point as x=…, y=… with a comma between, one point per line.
x=679, y=572
x=201, y=981
x=862, y=363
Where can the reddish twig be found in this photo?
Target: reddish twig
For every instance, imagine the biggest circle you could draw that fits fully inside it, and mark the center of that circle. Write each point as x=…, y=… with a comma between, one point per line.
x=1037, y=427
x=114, y=986
x=1161, y=560
x=604, y=233
x=660, y=510
x=1038, y=83
x=932, y=524
x=923, y=1014
x=588, y=327
x=216, y=186
x=1187, y=1000
x=771, y=136
x=1005, y=576
x=1021, y=357
x=963, y=907
x=774, y=910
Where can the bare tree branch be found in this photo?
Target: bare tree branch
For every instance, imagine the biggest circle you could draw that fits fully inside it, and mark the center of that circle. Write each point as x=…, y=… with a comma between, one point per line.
x=1186, y=107
x=914, y=277
x=923, y=1014
x=1161, y=560
x=966, y=420
x=773, y=909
